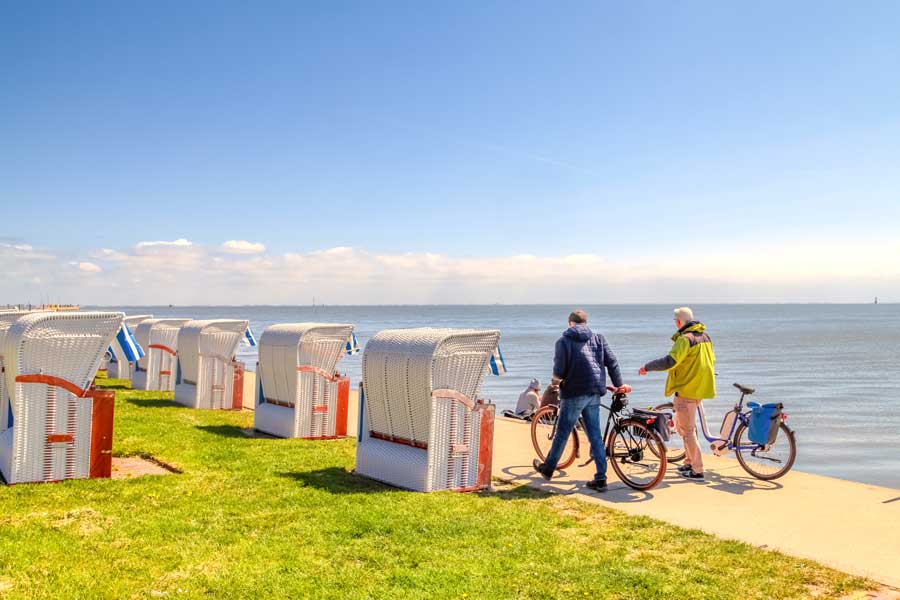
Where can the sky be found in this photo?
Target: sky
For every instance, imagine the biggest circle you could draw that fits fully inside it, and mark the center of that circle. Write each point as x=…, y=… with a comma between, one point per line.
x=465, y=152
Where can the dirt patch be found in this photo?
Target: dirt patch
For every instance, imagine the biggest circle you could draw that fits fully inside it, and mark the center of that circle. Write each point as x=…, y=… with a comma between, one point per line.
x=126, y=467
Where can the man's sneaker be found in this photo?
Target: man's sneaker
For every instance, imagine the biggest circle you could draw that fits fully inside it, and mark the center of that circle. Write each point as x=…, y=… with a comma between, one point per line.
x=684, y=468
x=539, y=467
x=689, y=474
x=598, y=485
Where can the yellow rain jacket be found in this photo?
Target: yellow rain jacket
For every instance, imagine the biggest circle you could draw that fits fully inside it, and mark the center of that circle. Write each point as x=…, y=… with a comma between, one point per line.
x=691, y=364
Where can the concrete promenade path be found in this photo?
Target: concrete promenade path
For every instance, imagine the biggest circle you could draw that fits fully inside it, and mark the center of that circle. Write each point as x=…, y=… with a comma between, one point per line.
x=850, y=526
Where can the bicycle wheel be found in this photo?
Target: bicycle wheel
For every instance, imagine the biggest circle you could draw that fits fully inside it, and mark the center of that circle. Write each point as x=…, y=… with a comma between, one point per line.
x=543, y=428
x=675, y=446
x=637, y=455
x=766, y=462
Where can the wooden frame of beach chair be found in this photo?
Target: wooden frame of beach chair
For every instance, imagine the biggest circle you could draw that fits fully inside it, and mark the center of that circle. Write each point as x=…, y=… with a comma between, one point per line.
x=157, y=369
x=206, y=364
x=297, y=392
x=118, y=367
x=421, y=425
x=51, y=360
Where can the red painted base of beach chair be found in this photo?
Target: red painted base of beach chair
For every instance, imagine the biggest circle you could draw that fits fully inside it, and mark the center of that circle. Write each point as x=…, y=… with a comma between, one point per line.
x=104, y=402
x=102, y=412
x=340, y=416
x=237, y=395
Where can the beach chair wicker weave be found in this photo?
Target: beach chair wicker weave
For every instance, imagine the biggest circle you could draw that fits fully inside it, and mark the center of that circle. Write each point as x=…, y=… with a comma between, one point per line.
x=7, y=318
x=206, y=351
x=421, y=425
x=159, y=339
x=297, y=394
x=119, y=367
x=50, y=361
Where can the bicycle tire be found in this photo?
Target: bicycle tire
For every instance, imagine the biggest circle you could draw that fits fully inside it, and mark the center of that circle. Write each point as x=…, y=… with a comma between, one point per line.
x=783, y=430
x=673, y=455
x=617, y=460
x=543, y=427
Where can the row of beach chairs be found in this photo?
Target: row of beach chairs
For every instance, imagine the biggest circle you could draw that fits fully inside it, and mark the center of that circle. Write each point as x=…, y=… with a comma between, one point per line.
x=422, y=424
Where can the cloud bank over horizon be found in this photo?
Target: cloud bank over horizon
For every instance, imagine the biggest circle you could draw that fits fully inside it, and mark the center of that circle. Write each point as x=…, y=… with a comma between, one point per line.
x=235, y=272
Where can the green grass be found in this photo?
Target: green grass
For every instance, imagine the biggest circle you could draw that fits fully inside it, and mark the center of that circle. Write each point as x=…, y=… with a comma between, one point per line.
x=287, y=518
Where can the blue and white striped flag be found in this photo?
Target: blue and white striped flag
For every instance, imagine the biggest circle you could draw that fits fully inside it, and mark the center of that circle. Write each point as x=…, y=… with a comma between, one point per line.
x=498, y=365
x=352, y=344
x=249, y=338
x=131, y=350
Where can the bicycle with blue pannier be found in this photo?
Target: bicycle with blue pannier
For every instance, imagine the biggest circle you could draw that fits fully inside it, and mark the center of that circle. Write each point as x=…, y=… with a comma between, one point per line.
x=759, y=436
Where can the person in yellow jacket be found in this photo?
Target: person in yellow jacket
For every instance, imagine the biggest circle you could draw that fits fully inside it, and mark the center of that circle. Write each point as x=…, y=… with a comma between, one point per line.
x=691, y=366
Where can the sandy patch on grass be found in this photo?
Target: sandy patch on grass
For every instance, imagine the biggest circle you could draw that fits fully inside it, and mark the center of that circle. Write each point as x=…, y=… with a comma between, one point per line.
x=127, y=467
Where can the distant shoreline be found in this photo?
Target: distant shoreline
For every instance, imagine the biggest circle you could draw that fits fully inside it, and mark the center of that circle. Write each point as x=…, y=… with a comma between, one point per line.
x=570, y=304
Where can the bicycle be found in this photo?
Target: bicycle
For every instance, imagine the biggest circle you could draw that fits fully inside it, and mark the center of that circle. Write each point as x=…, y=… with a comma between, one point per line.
x=635, y=451
x=753, y=457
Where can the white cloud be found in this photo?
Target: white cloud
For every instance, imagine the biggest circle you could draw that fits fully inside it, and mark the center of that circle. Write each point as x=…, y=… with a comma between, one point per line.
x=179, y=243
x=89, y=267
x=109, y=254
x=179, y=272
x=243, y=247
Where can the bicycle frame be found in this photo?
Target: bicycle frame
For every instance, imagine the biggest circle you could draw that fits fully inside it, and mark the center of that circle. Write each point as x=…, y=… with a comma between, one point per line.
x=741, y=417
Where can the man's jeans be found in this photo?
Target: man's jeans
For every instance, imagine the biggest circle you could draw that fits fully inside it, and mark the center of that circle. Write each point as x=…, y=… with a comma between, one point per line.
x=569, y=410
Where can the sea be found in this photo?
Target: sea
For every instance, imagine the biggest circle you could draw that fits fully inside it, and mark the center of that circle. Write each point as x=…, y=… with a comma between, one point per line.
x=835, y=367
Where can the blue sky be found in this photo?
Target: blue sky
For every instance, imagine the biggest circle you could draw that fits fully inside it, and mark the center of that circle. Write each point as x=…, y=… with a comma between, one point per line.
x=646, y=135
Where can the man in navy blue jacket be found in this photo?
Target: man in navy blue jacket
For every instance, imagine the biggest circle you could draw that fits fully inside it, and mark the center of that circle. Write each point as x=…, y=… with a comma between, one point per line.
x=580, y=363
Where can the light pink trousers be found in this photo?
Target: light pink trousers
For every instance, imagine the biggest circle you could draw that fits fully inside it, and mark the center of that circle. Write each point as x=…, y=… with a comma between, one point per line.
x=686, y=426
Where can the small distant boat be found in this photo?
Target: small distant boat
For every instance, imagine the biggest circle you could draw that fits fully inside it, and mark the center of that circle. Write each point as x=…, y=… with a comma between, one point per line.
x=876, y=299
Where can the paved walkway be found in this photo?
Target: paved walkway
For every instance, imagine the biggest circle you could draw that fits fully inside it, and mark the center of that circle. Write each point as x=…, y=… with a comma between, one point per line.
x=850, y=526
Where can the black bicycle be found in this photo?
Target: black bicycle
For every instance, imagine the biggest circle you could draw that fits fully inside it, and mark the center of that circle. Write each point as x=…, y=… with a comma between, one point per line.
x=635, y=450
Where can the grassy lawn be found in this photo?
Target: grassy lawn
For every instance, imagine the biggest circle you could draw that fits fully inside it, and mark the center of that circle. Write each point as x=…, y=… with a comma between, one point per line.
x=286, y=518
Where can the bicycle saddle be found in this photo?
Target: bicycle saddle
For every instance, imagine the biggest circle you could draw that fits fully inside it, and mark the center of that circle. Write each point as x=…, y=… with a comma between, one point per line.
x=744, y=389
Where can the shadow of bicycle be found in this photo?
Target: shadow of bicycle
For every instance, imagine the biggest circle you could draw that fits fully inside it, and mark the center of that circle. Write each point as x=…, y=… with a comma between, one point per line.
x=618, y=492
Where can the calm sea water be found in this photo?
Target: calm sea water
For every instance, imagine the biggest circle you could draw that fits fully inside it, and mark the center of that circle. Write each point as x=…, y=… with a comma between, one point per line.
x=835, y=367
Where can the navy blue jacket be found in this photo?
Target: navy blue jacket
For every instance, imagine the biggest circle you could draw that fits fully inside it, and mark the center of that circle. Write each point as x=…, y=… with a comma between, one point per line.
x=581, y=360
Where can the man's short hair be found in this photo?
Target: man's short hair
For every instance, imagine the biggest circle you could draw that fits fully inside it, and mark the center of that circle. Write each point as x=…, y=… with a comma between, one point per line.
x=578, y=316
x=684, y=314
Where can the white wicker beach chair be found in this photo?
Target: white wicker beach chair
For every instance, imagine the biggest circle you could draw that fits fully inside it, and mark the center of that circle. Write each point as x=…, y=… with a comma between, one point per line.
x=159, y=339
x=7, y=318
x=206, y=362
x=119, y=367
x=421, y=427
x=297, y=394
x=51, y=359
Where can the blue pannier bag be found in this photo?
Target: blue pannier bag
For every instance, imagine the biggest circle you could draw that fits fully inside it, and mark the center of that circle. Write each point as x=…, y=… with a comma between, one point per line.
x=764, y=422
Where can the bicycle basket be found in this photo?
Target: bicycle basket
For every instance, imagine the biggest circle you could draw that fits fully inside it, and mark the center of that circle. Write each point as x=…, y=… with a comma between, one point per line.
x=655, y=421
x=764, y=422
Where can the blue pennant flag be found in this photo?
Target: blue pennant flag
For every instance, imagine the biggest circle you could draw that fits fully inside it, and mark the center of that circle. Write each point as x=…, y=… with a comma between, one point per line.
x=352, y=345
x=498, y=365
x=131, y=350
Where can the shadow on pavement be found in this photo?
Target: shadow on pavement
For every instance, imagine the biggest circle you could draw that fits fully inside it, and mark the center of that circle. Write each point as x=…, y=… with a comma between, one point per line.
x=618, y=492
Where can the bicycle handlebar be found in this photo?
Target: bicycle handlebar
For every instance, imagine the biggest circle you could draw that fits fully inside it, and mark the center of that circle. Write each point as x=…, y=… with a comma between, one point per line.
x=625, y=389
